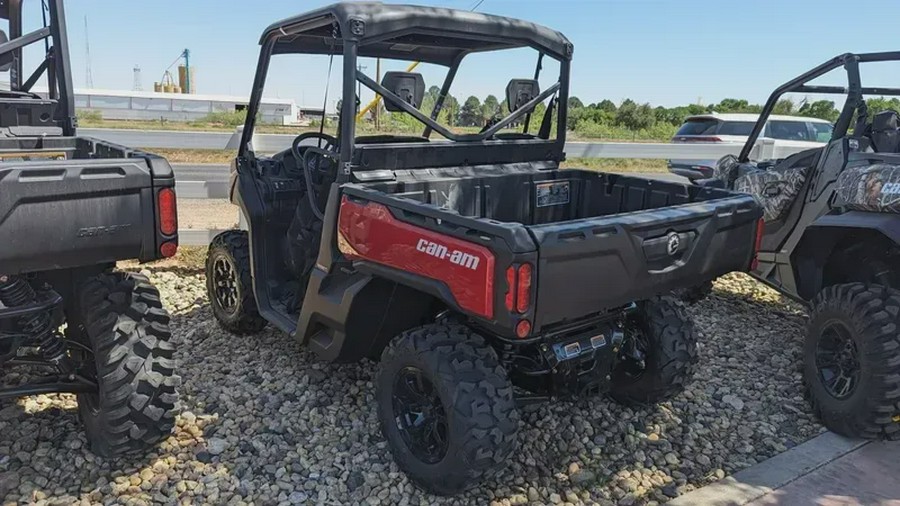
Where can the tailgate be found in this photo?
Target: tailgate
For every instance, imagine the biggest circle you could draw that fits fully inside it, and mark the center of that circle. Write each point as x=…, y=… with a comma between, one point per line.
x=594, y=264
x=68, y=213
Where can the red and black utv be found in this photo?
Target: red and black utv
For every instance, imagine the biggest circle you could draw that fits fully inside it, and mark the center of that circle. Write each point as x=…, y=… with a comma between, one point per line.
x=476, y=270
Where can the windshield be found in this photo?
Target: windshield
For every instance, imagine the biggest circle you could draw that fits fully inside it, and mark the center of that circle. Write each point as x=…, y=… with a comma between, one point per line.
x=486, y=92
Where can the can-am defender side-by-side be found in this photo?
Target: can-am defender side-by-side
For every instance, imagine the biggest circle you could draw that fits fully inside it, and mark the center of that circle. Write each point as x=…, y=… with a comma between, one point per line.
x=832, y=242
x=477, y=271
x=70, y=207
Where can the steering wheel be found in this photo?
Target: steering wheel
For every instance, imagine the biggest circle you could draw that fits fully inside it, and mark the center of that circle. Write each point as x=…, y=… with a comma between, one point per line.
x=326, y=142
x=310, y=158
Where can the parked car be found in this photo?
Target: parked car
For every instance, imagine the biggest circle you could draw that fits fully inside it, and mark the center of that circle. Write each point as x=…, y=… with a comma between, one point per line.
x=477, y=271
x=790, y=131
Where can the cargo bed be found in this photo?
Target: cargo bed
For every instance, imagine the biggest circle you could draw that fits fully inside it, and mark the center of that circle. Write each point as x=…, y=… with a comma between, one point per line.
x=95, y=203
x=601, y=240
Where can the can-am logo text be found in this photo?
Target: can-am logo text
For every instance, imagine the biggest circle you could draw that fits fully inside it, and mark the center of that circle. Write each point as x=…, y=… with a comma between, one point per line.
x=454, y=257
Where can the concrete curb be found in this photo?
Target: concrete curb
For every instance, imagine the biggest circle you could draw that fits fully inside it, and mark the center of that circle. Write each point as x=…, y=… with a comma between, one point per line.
x=760, y=479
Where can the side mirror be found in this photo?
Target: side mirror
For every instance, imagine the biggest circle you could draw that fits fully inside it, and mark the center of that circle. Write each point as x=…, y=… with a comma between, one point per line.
x=409, y=86
x=6, y=59
x=521, y=91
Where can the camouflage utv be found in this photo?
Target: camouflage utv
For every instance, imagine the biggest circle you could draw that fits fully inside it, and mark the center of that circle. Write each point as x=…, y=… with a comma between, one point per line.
x=831, y=239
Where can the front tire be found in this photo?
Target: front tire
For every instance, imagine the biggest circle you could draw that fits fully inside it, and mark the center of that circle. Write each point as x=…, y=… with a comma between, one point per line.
x=446, y=407
x=852, y=360
x=229, y=284
x=119, y=316
x=659, y=354
x=694, y=294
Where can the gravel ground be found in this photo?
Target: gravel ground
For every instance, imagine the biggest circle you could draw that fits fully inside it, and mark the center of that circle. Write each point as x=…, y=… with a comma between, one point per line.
x=263, y=422
x=207, y=214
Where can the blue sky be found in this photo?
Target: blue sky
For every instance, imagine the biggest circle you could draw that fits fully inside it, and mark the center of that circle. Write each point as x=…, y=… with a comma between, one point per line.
x=666, y=52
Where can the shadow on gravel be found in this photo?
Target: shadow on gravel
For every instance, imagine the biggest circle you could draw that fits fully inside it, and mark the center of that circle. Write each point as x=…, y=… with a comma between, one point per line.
x=263, y=421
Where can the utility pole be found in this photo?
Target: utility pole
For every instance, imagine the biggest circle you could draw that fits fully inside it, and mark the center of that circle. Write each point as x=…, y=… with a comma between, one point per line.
x=378, y=80
x=359, y=68
x=88, y=78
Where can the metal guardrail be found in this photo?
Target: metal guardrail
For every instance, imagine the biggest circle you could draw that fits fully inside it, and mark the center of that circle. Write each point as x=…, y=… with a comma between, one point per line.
x=218, y=188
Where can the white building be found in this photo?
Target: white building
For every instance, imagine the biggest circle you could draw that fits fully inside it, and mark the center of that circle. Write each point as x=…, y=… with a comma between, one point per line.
x=149, y=105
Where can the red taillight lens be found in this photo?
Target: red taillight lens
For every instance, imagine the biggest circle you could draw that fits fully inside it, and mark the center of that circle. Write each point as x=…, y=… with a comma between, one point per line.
x=168, y=249
x=510, y=288
x=168, y=211
x=523, y=328
x=523, y=288
x=760, y=230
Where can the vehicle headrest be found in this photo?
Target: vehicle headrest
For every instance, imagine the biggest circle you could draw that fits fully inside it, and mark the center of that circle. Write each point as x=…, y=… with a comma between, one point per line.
x=409, y=86
x=886, y=120
x=520, y=91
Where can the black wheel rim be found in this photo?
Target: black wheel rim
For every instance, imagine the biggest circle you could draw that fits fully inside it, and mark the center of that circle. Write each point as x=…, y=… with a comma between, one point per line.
x=837, y=360
x=225, y=284
x=633, y=358
x=420, y=416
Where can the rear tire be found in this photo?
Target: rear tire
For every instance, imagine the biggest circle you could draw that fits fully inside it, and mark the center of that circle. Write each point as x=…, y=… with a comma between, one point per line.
x=855, y=326
x=461, y=378
x=667, y=346
x=119, y=316
x=229, y=284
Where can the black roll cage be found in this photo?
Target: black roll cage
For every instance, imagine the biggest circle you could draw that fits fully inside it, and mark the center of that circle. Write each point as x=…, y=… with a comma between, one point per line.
x=854, y=90
x=56, y=60
x=349, y=49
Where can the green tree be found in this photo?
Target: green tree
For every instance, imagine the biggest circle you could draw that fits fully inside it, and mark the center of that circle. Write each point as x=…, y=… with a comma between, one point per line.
x=450, y=112
x=575, y=103
x=876, y=105
x=606, y=105
x=784, y=106
x=635, y=117
x=490, y=108
x=470, y=113
x=735, y=105
x=822, y=109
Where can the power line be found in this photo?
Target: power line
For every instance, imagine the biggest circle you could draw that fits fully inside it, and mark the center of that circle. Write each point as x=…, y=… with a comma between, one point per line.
x=477, y=5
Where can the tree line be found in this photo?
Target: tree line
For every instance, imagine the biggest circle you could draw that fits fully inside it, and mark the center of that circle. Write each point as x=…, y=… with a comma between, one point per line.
x=606, y=119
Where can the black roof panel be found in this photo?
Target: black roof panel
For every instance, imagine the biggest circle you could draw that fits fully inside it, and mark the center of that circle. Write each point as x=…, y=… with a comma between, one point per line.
x=411, y=32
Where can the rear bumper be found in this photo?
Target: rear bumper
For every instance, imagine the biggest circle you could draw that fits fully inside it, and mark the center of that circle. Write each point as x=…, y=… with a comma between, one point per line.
x=602, y=263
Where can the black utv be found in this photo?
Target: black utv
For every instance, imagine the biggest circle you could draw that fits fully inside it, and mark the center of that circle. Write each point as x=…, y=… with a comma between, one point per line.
x=832, y=242
x=477, y=271
x=70, y=207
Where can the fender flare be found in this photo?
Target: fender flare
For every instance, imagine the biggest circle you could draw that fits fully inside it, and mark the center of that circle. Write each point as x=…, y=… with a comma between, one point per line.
x=822, y=236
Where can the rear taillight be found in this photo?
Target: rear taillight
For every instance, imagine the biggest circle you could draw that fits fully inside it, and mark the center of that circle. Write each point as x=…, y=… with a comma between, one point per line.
x=168, y=211
x=697, y=138
x=523, y=288
x=757, y=245
x=168, y=249
x=523, y=328
x=510, y=288
x=518, y=288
